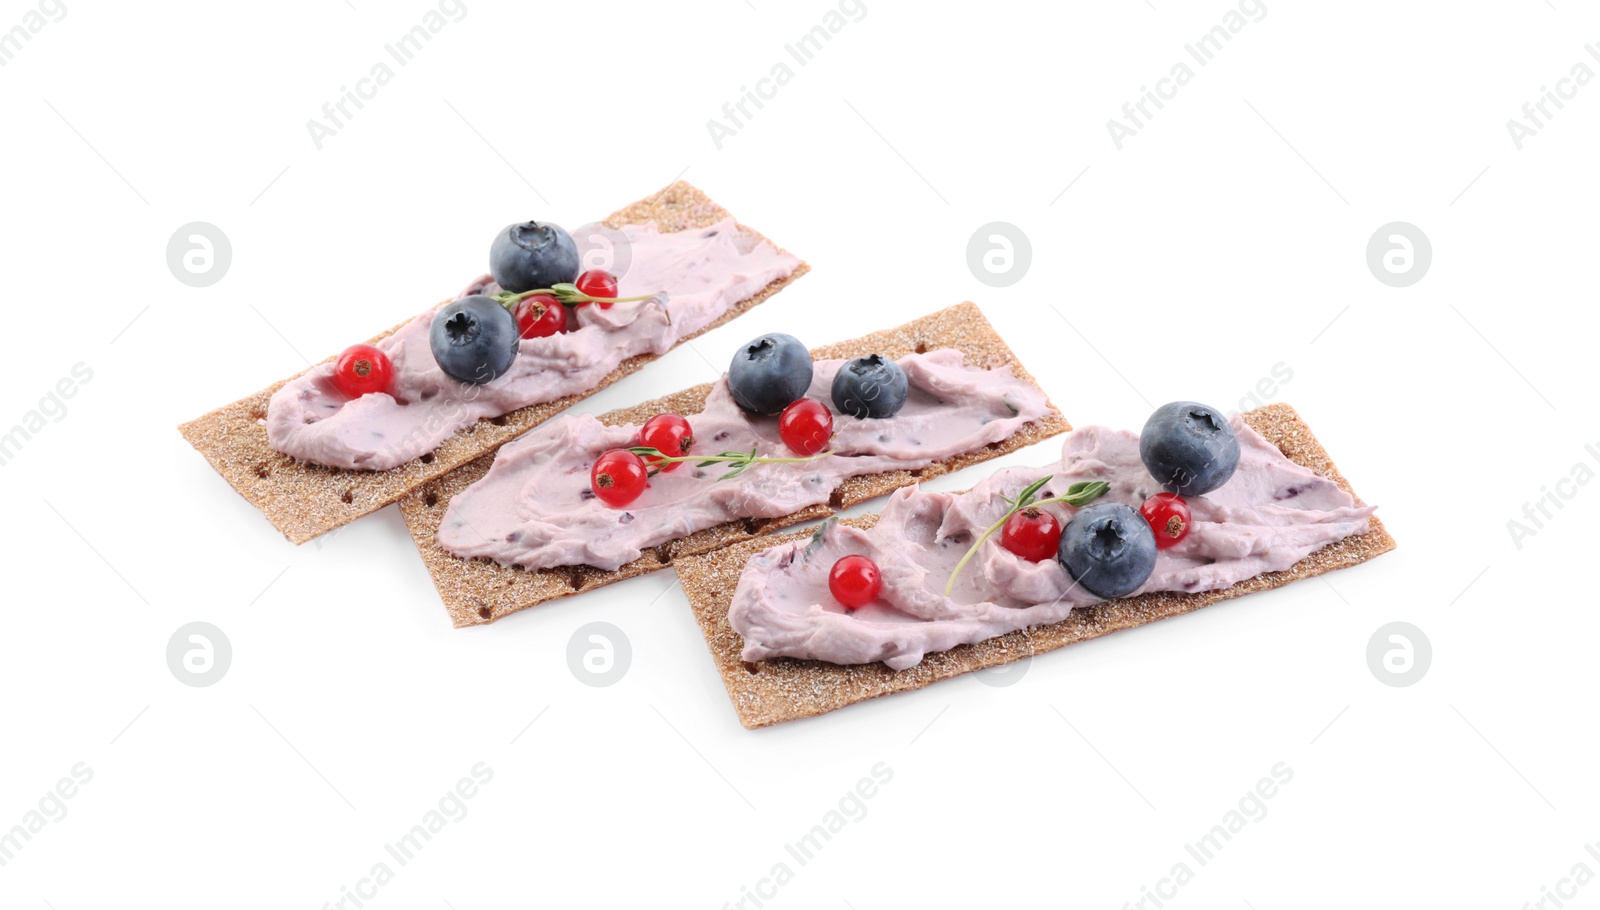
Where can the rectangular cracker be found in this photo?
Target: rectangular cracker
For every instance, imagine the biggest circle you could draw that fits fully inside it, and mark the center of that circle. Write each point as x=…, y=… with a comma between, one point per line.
x=783, y=689
x=304, y=500
x=479, y=591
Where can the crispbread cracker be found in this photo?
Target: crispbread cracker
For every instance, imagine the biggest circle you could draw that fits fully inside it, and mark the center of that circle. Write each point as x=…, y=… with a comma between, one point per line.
x=781, y=689
x=479, y=591
x=305, y=500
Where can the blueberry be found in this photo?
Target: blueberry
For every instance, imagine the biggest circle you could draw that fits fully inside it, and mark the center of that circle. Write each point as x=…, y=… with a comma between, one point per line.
x=770, y=373
x=474, y=339
x=1189, y=448
x=1108, y=549
x=533, y=254
x=871, y=386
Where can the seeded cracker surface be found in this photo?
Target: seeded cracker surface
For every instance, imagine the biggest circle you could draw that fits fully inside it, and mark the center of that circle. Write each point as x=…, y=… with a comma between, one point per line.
x=305, y=500
x=773, y=691
x=479, y=591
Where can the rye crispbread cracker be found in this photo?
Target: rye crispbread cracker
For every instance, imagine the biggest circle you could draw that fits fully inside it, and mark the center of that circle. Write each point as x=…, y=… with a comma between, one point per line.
x=305, y=500
x=478, y=591
x=782, y=689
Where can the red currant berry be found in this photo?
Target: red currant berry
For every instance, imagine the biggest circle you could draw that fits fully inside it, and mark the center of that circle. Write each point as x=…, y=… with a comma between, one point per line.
x=1168, y=515
x=540, y=316
x=362, y=369
x=854, y=581
x=618, y=477
x=1031, y=533
x=598, y=283
x=806, y=426
x=668, y=434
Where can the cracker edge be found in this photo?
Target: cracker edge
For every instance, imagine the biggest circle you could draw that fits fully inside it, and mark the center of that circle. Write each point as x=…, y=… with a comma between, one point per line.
x=304, y=501
x=784, y=689
x=477, y=592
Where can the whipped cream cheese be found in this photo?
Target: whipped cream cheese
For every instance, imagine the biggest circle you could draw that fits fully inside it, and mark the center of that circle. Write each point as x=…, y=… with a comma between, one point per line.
x=1268, y=516
x=695, y=275
x=535, y=509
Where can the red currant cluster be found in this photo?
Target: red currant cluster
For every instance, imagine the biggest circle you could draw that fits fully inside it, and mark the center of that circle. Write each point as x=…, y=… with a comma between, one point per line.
x=1035, y=535
x=363, y=369
x=1030, y=532
x=619, y=476
x=543, y=315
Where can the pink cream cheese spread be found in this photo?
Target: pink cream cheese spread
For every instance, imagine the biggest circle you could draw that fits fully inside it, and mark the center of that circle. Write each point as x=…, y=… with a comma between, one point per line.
x=1268, y=516
x=695, y=275
x=534, y=508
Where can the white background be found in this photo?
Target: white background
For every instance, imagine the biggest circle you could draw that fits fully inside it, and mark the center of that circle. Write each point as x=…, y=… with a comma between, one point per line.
x=1225, y=238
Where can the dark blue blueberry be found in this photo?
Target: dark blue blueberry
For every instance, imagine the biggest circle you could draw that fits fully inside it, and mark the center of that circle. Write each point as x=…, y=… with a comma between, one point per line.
x=474, y=339
x=533, y=254
x=770, y=373
x=1189, y=448
x=870, y=386
x=1108, y=549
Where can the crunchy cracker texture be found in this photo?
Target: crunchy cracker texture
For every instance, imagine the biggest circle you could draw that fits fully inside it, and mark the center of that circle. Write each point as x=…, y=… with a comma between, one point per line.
x=479, y=591
x=305, y=500
x=782, y=689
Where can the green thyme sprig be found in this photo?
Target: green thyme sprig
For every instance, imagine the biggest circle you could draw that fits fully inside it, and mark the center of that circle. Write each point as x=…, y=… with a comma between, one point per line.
x=566, y=293
x=739, y=460
x=1079, y=494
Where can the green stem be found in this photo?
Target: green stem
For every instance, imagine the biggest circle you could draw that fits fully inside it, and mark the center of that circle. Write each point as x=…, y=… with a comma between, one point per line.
x=951, y=584
x=1079, y=494
x=566, y=294
x=740, y=460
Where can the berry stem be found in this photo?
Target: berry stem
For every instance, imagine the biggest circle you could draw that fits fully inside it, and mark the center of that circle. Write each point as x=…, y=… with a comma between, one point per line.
x=739, y=460
x=1079, y=494
x=565, y=292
